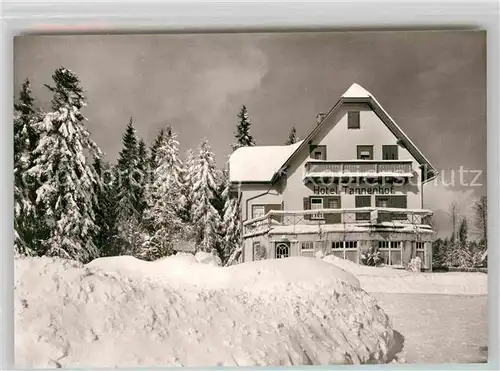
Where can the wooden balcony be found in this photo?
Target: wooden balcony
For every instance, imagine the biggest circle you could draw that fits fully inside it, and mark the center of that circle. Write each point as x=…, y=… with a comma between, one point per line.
x=358, y=169
x=342, y=220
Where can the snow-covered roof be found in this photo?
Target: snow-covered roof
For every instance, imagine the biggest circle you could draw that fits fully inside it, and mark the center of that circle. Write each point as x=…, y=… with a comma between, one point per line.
x=356, y=91
x=262, y=163
x=258, y=163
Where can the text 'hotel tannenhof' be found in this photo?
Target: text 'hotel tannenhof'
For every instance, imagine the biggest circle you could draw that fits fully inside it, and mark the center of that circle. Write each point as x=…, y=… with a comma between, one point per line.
x=355, y=182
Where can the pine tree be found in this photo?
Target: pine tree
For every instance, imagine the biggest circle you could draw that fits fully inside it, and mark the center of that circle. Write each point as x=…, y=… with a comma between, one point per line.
x=142, y=176
x=206, y=219
x=162, y=214
x=28, y=226
x=154, y=149
x=463, y=231
x=128, y=193
x=105, y=210
x=242, y=135
x=292, y=137
x=68, y=178
x=232, y=225
x=188, y=170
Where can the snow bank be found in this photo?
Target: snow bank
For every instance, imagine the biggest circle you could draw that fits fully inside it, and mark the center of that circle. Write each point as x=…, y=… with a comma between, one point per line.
x=398, y=281
x=122, y=312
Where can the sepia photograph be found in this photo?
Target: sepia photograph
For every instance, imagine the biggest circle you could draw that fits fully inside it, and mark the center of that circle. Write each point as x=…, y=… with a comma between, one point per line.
x=250, y=199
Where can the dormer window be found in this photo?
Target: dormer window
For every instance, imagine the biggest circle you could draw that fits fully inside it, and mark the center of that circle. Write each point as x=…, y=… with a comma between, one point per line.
x=353, y=120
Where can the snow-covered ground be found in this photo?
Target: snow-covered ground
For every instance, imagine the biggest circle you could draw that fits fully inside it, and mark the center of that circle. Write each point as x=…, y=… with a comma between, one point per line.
x=187, y=311
x=389, y=280
x=436, y=317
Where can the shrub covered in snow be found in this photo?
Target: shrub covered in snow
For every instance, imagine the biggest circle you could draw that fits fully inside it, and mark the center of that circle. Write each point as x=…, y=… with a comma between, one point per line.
x=415, y=264
x=371, y=257
x=123, y=312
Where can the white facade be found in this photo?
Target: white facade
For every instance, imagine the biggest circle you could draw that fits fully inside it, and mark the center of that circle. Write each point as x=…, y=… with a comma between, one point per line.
x=354, y=183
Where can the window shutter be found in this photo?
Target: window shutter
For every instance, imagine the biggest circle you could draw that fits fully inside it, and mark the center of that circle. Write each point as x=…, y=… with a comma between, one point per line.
x=307, y=206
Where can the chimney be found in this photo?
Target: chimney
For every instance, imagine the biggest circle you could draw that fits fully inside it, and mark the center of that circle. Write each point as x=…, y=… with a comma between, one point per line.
x=319, y=117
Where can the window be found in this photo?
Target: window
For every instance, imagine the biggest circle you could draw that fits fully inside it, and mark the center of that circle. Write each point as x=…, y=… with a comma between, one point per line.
x=382, y=202
x=390, y=152
x=391, y=252
x=317, y=155
x=334, y=203
x=259, y=252
x=282, y=250
x=345, y=250
x=395, y=202
x=365, y=152
x=363, y=201
x=317, y=204
x=307, y=246
x=420, y=251
x=258, y=211
x=353, y=120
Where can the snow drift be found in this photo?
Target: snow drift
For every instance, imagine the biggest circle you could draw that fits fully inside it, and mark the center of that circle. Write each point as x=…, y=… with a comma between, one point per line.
x=399, y=281
x=122, y=312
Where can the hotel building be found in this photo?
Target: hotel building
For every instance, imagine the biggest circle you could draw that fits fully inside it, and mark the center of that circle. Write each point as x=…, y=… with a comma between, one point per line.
x=355, y=182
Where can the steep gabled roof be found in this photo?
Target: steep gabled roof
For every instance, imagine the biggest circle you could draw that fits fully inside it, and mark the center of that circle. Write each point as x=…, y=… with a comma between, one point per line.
x=357, y=94
x=268, y=163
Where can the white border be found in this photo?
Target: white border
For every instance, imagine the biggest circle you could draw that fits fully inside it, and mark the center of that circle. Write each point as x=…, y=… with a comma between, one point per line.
x=203, y=16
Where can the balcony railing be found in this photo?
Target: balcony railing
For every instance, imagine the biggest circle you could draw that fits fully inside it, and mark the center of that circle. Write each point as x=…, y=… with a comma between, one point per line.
x=354, y=219
x=361, y=168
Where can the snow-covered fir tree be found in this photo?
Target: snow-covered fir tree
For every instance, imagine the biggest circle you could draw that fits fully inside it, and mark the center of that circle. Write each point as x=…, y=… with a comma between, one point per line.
x=231, y=222
x=242, y=135
x=205, y=217
x=27, y=224
x=292, y=137
x=187, y=186
x=64, y=166
x=142, y=176
x=154, y=149
x=162, y=214
x=128, y=193
x=105, y=210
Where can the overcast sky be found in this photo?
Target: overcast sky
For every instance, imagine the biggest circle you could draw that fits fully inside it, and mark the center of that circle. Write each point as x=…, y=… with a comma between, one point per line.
x=432, y=83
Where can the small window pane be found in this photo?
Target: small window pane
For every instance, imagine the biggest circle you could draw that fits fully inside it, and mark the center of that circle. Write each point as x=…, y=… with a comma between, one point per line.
x=308, y=245
x=337, y=245
x=383, y=244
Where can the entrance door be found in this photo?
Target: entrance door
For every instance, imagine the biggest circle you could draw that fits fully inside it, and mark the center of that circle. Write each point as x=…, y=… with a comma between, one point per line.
x=282, y=250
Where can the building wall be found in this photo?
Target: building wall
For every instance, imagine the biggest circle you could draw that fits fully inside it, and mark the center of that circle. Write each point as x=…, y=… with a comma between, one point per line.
x=364, y=242
x=257, y=194
x=341, y=145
